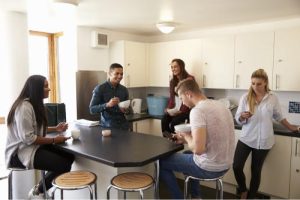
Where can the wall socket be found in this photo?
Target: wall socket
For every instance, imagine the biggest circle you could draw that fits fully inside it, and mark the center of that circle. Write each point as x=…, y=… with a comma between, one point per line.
x=294, y=107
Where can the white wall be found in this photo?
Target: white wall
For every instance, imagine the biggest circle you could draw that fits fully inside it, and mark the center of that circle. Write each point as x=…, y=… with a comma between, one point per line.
x=13, y=74
x=13, y=57
x=98, y=58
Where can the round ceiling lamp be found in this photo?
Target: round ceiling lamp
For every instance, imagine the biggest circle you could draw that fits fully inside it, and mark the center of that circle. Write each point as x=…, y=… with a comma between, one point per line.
x=166, y=27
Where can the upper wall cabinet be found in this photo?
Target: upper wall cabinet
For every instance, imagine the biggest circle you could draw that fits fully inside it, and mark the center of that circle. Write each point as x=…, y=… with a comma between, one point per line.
x=161, y=54
x=218, y=62
x=252, y=51
x=133, y=57
x=159, y=70
x=287, y=60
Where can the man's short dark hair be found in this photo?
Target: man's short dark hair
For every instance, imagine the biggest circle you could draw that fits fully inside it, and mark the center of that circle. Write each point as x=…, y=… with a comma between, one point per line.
x=114, y=66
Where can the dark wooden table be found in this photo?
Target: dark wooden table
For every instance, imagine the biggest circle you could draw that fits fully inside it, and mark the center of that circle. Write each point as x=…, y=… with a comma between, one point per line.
x=121, y=149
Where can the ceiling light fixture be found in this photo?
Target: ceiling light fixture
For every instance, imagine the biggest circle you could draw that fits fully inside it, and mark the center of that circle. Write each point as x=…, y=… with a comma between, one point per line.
x=166, y=27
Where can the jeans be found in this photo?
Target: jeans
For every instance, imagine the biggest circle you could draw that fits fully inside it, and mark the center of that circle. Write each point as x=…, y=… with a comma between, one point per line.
x=242, y=152
x=185, y=164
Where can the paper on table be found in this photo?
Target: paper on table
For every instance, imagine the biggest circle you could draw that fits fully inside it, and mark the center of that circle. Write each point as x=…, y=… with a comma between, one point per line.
x=85, y=122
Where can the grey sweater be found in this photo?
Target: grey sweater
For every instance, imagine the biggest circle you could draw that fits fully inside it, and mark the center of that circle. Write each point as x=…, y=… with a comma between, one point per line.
x=21, y=135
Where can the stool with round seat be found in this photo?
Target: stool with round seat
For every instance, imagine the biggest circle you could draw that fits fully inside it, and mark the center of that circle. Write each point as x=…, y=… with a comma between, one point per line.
x=219, y=185
x=76, y=180
x=131, y=182
x=22, y=168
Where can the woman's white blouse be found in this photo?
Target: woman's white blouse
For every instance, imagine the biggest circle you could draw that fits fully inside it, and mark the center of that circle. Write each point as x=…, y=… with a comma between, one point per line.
x=257, y=131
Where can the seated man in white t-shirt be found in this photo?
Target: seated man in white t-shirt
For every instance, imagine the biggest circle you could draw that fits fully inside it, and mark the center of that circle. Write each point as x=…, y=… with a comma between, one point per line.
x=211, y=140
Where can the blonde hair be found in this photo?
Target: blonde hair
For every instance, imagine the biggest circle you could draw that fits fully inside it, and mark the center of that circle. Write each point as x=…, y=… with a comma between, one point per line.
x=259, y=73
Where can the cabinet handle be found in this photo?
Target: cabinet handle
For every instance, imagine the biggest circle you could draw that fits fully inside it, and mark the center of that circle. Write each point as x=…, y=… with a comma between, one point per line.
x=240, y=62
x=296, y=150
x=237, y=80
x=279, y=60
x=297, y=170
x=277, y=81
x=204, y=81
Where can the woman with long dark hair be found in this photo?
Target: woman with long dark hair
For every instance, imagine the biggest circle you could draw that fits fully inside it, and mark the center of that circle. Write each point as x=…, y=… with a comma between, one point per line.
x=26, y=144
x=176, y=112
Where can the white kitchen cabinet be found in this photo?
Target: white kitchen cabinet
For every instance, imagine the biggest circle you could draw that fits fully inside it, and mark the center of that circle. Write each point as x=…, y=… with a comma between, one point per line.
x=133, y=57
x=295, y=169
x=276, y=169
x=218, y=62
x=161, y=54
x=287, y=60
x=252, y=51
x=148, y=126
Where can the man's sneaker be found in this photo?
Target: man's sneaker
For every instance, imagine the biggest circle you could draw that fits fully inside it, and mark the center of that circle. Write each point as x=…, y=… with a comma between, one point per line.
x=35, y=194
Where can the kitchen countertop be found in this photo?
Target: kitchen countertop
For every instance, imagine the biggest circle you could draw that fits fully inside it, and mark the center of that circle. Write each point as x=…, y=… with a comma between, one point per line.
x=278, y=128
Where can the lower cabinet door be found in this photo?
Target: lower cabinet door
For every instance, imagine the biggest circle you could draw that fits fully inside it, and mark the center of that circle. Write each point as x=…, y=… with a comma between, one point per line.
x=275, y=174
x=295, y=170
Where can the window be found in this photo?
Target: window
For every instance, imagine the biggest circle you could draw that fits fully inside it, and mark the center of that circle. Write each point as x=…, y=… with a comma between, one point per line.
x=43, y=59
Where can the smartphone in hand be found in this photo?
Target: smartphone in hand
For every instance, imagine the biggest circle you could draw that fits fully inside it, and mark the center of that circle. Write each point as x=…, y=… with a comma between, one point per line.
x=169, y=135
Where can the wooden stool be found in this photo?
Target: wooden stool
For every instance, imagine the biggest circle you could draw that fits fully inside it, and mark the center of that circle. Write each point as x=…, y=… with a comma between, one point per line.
x=219, y=185
x=76, y=180
x=131, y=182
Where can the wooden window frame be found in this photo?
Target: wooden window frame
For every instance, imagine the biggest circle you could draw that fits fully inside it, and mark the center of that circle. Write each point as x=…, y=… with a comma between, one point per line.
x=53, y=64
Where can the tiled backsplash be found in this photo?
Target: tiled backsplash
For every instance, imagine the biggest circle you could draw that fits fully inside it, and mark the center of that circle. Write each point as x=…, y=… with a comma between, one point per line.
x=286, y=99
x=294, y=107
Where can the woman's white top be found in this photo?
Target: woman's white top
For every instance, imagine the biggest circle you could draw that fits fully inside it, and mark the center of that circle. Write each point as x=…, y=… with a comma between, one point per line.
x=21, y=135
x=257, y=131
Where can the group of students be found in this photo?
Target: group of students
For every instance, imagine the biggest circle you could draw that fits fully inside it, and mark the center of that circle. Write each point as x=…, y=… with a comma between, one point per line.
x=211, y=140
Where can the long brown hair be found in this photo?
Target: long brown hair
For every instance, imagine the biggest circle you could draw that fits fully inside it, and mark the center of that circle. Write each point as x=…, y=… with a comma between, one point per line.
x=34, y=91
x=183, y=73
x=259, y=73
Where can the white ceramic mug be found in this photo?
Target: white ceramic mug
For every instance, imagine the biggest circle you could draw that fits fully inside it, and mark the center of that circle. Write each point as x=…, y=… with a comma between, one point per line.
x=75, y=134
x=136, y=105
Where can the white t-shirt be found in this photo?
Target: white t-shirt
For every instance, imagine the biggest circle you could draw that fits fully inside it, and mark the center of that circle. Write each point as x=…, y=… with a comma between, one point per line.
x=220, y=140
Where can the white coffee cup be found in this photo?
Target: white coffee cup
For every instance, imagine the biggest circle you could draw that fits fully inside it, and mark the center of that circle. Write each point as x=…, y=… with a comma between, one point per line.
x=75, y=134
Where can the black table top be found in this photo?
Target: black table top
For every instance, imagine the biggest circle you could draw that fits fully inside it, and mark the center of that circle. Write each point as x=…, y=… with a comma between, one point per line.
x=121, y=149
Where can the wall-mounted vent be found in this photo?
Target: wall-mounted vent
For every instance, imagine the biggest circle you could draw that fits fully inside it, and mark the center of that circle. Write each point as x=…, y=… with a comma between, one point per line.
x=99, y=40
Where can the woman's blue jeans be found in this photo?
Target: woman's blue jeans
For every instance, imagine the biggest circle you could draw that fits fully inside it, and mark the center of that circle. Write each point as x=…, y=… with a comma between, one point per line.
x=185, y=164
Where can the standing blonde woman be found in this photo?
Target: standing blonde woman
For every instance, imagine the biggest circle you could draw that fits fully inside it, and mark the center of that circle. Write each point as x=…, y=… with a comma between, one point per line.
x=255, y=113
